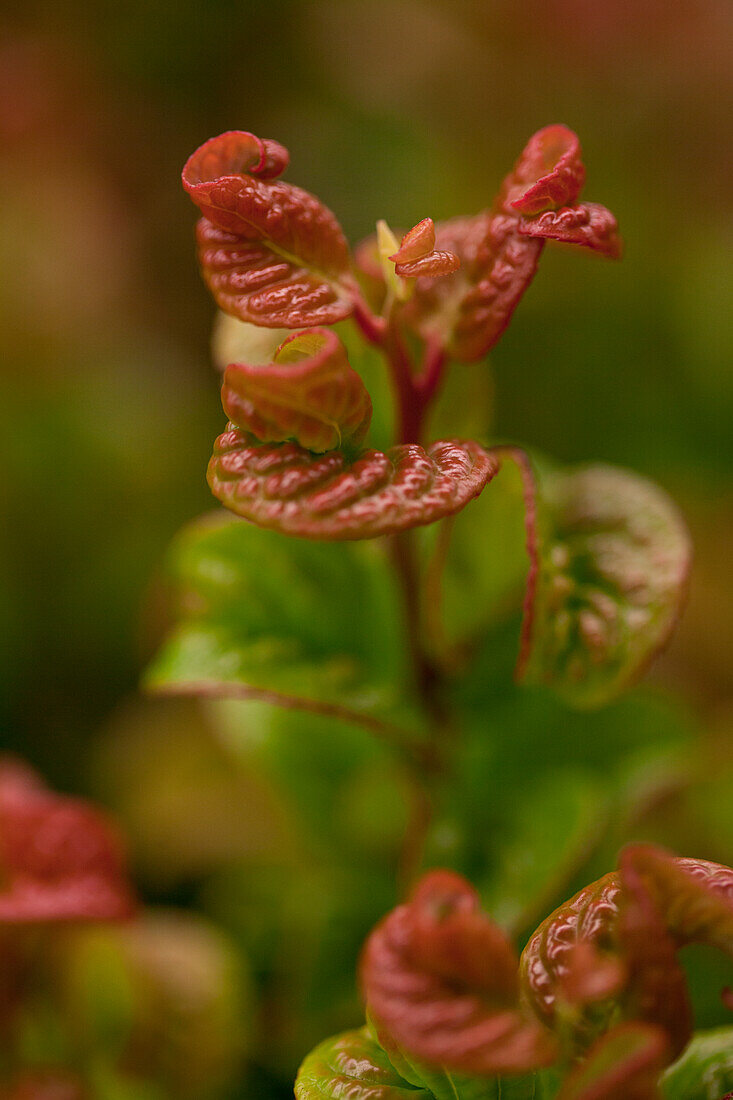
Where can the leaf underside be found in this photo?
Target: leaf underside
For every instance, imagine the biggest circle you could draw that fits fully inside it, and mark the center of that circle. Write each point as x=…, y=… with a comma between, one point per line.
x=284, y=487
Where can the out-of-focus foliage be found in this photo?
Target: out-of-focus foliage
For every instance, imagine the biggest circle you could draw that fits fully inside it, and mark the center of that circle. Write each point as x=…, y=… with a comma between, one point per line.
x=109, y=407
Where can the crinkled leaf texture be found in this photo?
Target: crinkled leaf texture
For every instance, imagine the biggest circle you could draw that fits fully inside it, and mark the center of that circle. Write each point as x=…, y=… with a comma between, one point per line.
x=682, y=901
x=499, y=249
x=614, y=560
x=271, y=253
x=308, y=393
x=60, y=859
x=295, y=621
x=441, y=979
x=329, y=496
x=356, y=1066
x=623, y=1065
x=705, y=1070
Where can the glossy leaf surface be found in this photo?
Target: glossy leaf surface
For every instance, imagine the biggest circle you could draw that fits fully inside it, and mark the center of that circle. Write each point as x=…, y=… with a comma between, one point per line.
x=441, y=979
x=271, y=253
x=643, y=913
x=308, y=393
x=353, y=1066
x=624, y=1065
x=705, y=1070
x=329, y=497
x=614, y=562
x=306, y=620
x=60, y=859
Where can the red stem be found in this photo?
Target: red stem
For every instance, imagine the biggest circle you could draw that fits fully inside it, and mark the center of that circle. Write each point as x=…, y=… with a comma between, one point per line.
x=373, y=328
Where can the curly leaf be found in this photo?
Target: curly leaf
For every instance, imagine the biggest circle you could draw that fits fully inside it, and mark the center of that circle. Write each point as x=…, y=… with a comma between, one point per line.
x=696, y=896
x=441, y=979
x=588, y=224
x=653, y=905
x=353, y=1065
x=705, y=1070
x=498, y=249
x=549, y=173
x=59, y=858
x=658, y=989
x=614, y=562
x=308, y=393
x=303, y=622
x=624, y=1065
x=329, y=497
x=270, y=252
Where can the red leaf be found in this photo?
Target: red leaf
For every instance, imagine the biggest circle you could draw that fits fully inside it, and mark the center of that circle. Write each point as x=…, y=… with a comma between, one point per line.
x=549, y=173
x=498, y=250
x=59, y=858
x=588, y=224
x=589, y=917
x=441, y=979
x=416, y=243
x=469, y=310
x=623, y=1065
x=655, y=904
x=271, y=253
x=328, y=496
x=695, y=896
x=429, y=266
x=658, y=988
x=309, y=393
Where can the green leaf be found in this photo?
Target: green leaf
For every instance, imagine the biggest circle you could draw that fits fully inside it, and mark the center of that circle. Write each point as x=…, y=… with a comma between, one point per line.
x=305, y=622
x=614, y=561
x=554, y=829
x=445, y=1084
x=705, y=1070
x=353, y=1065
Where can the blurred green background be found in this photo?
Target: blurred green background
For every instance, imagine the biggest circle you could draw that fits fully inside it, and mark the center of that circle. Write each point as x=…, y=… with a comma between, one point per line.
x=397, y=109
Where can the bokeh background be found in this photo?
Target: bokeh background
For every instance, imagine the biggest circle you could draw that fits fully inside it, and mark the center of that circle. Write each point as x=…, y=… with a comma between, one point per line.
x=391, y=108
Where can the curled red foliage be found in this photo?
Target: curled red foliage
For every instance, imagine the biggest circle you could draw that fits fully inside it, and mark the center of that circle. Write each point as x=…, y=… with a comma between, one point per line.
x=271, y=253
x=588, y=224
x=328, y=496
x=624, y=1064
x=60, y=859
x=441, y=979
x=417, y=254
x=549, y=173
x=643, y=913
x=309, y=393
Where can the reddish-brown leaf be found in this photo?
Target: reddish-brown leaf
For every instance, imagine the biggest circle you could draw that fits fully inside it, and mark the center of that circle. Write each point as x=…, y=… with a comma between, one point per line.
x=624, y=1064
x=587, y=224
x=657, y=991
x=466, y=312
x=59, y=858
x=549, y=173
x=329, y=496
x=695, y=896
x=416, y=243
x=308, y=393
x=271, y=253
x=431, y=265
x=653, y=905
x=441, y=979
